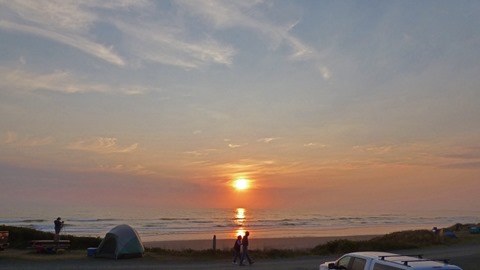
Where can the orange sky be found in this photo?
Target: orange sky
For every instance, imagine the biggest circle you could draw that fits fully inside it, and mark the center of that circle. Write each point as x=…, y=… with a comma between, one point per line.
x=325, y=105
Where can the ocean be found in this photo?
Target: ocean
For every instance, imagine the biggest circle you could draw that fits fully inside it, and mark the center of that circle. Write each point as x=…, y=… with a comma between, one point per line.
x=154, y=224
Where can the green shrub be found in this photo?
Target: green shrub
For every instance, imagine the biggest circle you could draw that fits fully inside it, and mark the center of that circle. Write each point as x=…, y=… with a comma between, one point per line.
x=392, y=241
x=405, y=240
x=337, y=246
x=20, y=238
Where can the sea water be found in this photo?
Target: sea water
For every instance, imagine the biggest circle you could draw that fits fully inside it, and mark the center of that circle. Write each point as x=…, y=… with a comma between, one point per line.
x=154, y=224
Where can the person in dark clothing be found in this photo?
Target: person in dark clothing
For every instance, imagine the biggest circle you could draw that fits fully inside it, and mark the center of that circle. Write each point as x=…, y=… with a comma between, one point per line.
x=245, y=249
x=236, y=249
x=58, y=227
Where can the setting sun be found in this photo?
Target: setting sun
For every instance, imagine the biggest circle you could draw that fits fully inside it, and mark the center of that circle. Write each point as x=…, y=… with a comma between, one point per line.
x=241, y=184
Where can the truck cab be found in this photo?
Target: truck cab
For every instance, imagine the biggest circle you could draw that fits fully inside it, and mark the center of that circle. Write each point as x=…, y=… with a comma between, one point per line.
x=386, y=261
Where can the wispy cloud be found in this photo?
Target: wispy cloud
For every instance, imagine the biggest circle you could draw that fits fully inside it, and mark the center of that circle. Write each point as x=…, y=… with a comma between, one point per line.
x=153, y=42
x=148, y=37
x=463, y=158
x=72, y=40
x=231, y=145
x=377, y=149
x=267, y=140
x=58, y=81
x=152, y=35
x=66, y=22
x=315, y=145
x=247, y=166
x=472, y=152
x=102, y=145
x=123, y=168
x=12, y=138
x=230, y=14
x=463, y=165
x=201, y=152
x=325, y=72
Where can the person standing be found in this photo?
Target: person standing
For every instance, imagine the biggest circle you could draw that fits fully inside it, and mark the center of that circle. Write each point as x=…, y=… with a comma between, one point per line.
x=245, y=249
x=58, y=227
x=236, y=249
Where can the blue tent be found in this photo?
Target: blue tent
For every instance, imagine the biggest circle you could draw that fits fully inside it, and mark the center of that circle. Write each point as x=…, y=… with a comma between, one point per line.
x=120, y=242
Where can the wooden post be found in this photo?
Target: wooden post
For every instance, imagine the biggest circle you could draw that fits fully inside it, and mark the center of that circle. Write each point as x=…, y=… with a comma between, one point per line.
x=214, y=243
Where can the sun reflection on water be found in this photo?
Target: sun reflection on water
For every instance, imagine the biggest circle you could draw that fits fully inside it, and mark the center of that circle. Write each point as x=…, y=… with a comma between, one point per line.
x=240, y=214
x=240, y=232
x=240, y=221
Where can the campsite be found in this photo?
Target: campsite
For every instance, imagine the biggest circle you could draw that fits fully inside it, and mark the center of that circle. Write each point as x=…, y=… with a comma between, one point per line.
x=120, y=242
x=120, y=249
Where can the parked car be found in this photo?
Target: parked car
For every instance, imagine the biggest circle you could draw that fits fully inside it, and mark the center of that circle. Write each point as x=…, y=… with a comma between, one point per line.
x=386, y=261
x=3, y=240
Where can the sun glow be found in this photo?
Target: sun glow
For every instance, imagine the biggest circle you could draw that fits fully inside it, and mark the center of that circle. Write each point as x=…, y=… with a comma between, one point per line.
x=241, y=184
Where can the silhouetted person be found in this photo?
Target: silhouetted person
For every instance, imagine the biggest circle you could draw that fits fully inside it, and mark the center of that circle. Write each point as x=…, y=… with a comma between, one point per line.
x=58, y=227
x=245, y=249
x=236, y=249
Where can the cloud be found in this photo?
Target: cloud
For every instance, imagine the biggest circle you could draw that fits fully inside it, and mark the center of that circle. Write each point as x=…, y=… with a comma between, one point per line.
x=153, y=42
x=231, y=14
x=149, y=33
x=464, y=165
x=66, y=15
x=101, y=145
x=234, y=145
x=12, y=138
x=314, y=145
x=75, y=41
x=58, y=81
x=155, y=35
x=376, y=149
x=246, y=167
x=325, y=72
x=66, y=21
x=123, y=168
x=266, y=140
x=464, y=158
x=472, y=152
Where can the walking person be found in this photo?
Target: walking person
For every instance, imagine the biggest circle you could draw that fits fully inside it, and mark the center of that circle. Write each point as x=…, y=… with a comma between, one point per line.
x=58, y=227
x=245, y=249
x=236, y=249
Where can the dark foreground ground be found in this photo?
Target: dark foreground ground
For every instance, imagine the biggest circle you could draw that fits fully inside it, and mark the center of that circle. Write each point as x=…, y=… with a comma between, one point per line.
x=465, y=255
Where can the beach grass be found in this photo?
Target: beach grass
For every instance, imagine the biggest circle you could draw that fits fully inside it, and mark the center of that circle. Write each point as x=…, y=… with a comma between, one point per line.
x=392, y=241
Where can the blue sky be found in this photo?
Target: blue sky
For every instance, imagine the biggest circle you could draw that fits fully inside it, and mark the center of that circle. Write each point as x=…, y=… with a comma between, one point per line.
x=172, y=100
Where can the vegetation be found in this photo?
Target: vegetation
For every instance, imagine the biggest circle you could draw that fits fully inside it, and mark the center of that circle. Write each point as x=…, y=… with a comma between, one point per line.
x=210, y=253
x=389, y=242
x=20, y=238
x=392, y=241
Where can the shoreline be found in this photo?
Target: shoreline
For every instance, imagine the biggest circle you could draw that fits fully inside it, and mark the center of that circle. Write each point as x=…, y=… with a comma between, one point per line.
x=255, y=243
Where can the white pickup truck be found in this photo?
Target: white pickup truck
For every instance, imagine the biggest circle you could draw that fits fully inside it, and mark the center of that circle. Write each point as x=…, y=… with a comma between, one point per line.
x=386, y=261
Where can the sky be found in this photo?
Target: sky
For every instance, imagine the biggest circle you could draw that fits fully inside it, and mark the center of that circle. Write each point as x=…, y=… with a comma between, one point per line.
x=326, y=105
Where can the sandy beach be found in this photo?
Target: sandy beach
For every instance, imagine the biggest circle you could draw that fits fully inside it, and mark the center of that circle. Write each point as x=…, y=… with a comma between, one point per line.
x=465, y=254
x=256, y=243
